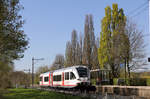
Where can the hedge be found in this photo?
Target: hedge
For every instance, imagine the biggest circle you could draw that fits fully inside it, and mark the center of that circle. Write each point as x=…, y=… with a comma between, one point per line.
x=132, y=82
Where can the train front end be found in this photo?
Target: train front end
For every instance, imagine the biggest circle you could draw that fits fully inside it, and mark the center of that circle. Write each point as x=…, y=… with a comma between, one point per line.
x=83, y=79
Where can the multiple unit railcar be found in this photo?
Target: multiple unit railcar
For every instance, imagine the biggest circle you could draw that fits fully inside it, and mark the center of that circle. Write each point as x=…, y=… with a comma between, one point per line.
x=71, y=77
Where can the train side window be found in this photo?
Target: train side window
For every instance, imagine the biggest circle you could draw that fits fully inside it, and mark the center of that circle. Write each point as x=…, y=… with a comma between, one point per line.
x=54, y=78
x=72, y=76
x=46, y=79
x=57, y=78
x=66, y=75
x=40, y=78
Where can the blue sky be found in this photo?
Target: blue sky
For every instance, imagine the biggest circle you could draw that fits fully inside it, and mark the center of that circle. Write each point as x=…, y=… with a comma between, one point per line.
x=49, y=24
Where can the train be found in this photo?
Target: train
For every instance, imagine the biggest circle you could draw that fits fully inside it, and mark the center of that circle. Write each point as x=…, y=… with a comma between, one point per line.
x=70, y=77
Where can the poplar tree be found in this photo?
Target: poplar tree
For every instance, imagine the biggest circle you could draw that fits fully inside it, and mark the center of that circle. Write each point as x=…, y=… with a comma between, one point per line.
x=111, y=40
x=74, y=41
x=87, y=44
x=105, y=40
x=78, y=54
x=58, y=62
x=68, y=55
x=90, y=57
x=81, y=49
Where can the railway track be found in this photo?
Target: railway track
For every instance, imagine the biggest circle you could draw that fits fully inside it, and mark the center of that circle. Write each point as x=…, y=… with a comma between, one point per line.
x=90, y=94
x=74, y=92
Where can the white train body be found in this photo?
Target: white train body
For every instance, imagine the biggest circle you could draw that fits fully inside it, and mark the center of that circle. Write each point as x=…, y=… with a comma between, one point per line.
x=67, y=77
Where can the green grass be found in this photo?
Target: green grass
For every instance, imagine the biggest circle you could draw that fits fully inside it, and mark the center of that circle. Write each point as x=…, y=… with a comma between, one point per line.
x=35, y=94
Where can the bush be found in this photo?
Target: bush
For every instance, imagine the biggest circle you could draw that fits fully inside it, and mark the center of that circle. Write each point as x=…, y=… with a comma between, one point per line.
x=138, y=82
x=123, y=81
x=128, y=82
x=93, y=81
x=132, y=81
x=148, y=81
x=115, y=81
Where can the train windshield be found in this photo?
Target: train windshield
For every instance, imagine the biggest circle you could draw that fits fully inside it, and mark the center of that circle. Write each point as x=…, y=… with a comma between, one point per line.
x=82, y=72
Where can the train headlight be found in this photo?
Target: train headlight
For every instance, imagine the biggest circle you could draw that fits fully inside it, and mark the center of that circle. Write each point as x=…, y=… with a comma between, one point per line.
x=79, y=79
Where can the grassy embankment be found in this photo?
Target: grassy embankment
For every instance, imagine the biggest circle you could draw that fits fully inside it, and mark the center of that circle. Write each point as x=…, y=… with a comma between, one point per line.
x=35, y=94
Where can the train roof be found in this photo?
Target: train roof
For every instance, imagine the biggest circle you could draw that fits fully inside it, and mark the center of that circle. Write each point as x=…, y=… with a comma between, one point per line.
x=70, y=67
x=64, y=69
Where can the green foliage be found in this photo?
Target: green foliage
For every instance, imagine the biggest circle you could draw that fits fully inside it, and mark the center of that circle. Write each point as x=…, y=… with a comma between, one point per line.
x=36, y=94
x=5, y=73
x=127, y=82
x=132, y=81
x=138, y=82
x=13, y=41
x=148, y=81
x=112, y=36
x=115, y=81
x=93, y=81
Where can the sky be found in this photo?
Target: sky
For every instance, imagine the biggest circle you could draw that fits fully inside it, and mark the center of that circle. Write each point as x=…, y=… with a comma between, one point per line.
x=49, y=23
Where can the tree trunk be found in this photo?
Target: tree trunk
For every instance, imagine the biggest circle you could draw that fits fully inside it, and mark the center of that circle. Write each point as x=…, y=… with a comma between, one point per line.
x=125, y=63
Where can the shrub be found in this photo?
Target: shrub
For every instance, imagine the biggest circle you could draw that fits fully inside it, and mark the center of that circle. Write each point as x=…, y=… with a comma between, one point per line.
x=115, y=81
x=93, y=81
x=138, y=82
x=148, y=81
x=123, y=81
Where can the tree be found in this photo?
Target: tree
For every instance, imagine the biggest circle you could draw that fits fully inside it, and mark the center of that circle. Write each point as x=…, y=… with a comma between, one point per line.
x=73, y=55
x=80, y=49
x=95, y=61
x=110, y=51
x=89, y=42
x=93, y=45
x=105, y=40
x=58, y=62
x=74, y=43
x=5, y=71
x=19, y=78
x=135, y=56
x=68, y=55
x=78, y=54
x=41, y=69
x=13, y=41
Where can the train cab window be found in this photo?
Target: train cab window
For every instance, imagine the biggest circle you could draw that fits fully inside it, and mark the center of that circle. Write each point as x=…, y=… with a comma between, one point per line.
x=72, y=76
x=83, y=72
x=40, y=78
x=46, y=79
x=66, y=75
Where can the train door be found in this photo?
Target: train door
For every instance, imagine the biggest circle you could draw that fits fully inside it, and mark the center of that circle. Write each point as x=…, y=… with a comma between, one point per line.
x=66, y=81
x=72, y=79
x=42, y=80
x=62, y=78
x=49, y=79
